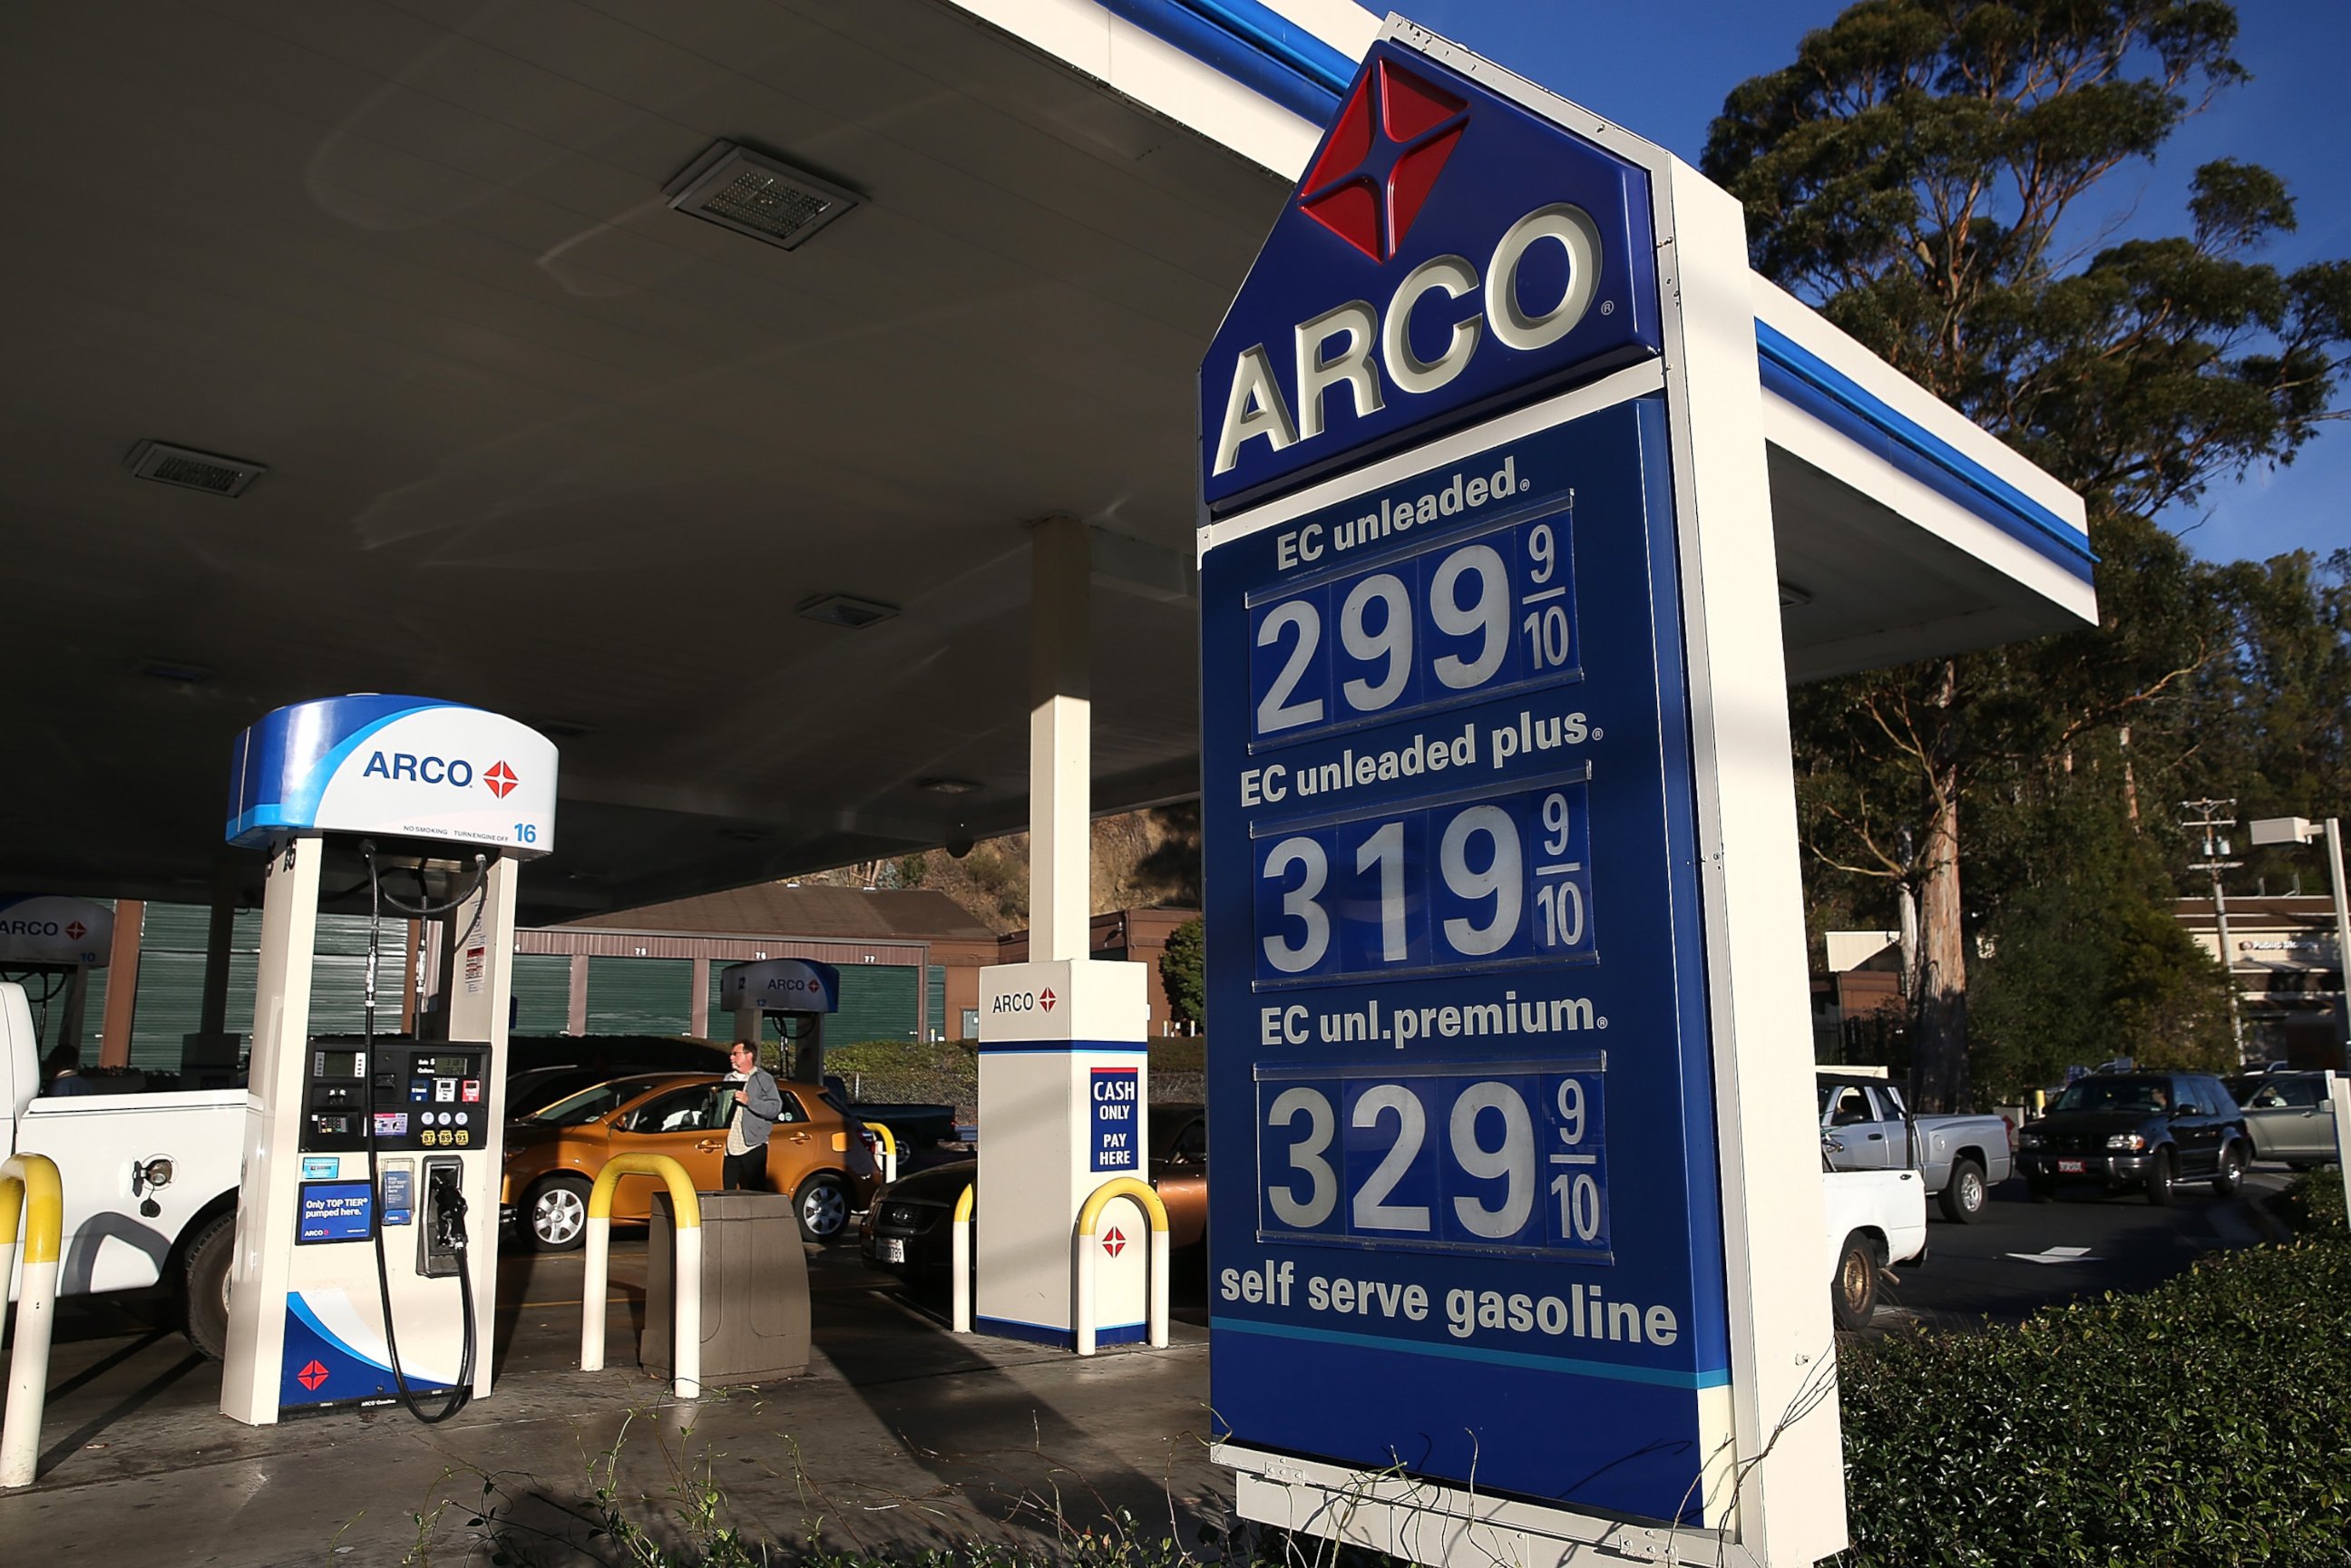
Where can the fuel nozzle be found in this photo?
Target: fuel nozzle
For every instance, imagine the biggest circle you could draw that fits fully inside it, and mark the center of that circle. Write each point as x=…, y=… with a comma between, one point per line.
x=448, y=1201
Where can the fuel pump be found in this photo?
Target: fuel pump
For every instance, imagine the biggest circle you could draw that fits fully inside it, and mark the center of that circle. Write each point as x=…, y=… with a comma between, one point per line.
x=366, y=1261
x=797, y=993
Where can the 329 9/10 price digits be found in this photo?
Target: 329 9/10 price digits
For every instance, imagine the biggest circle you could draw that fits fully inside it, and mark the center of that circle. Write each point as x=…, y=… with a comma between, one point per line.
x=1511, y=881
x=1466, y=618
x=1509, y=1157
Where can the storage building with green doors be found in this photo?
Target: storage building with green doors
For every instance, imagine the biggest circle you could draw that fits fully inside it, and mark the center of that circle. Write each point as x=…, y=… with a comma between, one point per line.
x=909, y=962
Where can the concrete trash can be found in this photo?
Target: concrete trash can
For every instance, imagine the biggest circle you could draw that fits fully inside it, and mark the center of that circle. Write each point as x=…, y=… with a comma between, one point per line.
x=755, y=1295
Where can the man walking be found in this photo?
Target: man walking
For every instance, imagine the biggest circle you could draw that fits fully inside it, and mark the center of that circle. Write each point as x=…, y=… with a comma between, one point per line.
x=758, y=1104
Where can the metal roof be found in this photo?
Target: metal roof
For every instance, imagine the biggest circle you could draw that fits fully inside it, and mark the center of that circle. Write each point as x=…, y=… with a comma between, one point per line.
x=536, y=441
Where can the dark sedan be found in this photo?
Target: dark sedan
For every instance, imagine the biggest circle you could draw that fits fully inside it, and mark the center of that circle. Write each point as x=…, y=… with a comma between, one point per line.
x=2145, y=1130
x=908, y=1229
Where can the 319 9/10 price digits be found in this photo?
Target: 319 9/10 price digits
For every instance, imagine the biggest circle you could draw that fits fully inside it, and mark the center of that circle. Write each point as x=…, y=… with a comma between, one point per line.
x=1466, y=618
x=1356, y=896
x=1509, y=1157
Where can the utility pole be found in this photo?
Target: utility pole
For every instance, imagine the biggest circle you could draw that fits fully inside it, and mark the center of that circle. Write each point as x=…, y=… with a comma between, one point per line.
x=2208, y=818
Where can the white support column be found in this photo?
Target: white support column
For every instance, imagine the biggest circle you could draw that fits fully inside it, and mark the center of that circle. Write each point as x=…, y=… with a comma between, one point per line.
x=1064, y=1073
x=1772, y=1464
x=1061, y=743
x=260, y=1269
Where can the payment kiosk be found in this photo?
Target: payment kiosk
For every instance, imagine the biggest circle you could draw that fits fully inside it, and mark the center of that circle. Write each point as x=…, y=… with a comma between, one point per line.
x=366, y=1259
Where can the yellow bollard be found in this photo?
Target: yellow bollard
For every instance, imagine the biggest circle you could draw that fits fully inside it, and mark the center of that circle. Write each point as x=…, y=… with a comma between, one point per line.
x=686, y=1268
x=959, y=1318
x=1089, y=1217
x=30, y=1193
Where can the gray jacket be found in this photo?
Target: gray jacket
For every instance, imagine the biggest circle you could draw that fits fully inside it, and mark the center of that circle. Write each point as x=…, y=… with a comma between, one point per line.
x=762, y=1108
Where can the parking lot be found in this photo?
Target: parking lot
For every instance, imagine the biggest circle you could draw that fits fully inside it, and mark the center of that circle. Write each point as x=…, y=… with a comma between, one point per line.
x=903, y=1435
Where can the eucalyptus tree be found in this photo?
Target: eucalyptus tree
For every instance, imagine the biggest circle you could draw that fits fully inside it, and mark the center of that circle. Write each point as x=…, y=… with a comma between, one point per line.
x=1937, y=176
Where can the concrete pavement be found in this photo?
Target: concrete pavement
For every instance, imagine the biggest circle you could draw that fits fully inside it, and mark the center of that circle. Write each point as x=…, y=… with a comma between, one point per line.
x=901, y=1435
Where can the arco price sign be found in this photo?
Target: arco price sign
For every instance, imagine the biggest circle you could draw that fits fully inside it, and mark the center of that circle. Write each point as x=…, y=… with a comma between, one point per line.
x=1452, y=912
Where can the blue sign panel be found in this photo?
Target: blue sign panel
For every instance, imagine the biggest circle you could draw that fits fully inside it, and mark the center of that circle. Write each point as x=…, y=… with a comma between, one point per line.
x=1446, y=253
x=334, y=1211
x=1117, y=1131
x=1466, y=1217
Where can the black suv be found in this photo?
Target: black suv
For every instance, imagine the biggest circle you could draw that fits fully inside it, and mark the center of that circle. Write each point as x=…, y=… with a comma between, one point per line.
x=2150, y=1130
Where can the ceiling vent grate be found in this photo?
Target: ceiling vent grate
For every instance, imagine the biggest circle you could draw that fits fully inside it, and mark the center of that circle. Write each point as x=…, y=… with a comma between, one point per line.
x=192, y=470
x=737, y=189
x=846, y=611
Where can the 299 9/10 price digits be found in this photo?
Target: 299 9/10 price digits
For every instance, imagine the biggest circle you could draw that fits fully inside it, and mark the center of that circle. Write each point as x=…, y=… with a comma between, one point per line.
x=1482, y=880
x=1468, y=618
x=1506, y=1158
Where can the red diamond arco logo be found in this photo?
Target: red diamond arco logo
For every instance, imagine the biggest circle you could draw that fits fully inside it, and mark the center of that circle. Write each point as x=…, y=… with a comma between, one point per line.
x=1114, y=1241
x=74, y=928
x=501, y=779
x=311, y=1375
x=1046, y=1000
x=1382, y=159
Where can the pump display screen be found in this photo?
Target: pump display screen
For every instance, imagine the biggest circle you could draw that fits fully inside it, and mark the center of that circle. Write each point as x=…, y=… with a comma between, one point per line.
x=444, y=1066
x=339, y=1065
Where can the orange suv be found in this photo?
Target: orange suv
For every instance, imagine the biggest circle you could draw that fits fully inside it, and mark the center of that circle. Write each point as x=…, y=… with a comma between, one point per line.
x=823, y=1156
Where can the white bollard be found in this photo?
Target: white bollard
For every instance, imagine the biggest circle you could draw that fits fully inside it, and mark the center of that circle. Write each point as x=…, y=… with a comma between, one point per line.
x=28, y=1373
x=592, y=1294
x=1085, y=1314
x=960, y=1266
x=686, y=1317
x=1162, y=1255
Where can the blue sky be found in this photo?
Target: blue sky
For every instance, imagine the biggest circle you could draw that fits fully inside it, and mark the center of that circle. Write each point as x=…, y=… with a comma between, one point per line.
x=1662, y=72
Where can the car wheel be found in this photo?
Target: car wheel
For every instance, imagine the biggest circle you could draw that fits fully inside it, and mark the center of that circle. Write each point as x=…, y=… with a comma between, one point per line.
x=203, y=1287
x=2231, y=1174
x=822, y=1206
x=1965, y=1194
x=556, y=1212
x=1852, y=1294
x=2162, y=1179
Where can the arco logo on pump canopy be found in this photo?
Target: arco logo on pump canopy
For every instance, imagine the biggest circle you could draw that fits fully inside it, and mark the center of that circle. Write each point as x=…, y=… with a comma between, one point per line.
x=456, y=773
x=1410, y=278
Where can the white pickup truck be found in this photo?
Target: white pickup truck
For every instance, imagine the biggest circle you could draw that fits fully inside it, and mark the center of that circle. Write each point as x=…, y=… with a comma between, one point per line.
x=1864, y=1125
x=1875, y=1218
x=149, y=1180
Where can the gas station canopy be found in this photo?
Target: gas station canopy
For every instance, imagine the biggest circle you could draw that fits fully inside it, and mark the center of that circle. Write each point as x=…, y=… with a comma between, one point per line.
x=742, y=527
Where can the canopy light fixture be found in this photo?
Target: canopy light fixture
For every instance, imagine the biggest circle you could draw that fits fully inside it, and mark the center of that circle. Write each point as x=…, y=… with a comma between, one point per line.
x=192, y=470
x=949, y=786
x=737, y=189
x=846, y=610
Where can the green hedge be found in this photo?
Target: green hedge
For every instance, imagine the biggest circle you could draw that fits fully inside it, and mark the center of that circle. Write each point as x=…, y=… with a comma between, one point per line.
x=2314, y=1202
x=898, y=1072
x=2205, y=1423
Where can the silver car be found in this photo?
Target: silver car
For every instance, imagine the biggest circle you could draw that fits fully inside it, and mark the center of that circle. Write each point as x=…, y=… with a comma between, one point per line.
x=2288, y=1115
